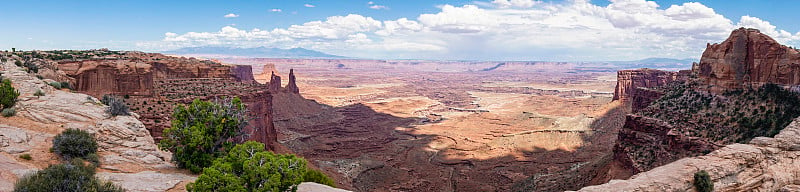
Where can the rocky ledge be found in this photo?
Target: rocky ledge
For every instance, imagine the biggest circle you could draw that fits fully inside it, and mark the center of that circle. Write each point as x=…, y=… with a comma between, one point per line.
x=764, y=164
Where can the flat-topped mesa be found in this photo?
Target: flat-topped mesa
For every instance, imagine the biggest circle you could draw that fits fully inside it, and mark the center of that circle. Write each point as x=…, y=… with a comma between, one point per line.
x=274, y=83
x=747, y=58
x=292, y=86
x=629, y=81
x=134, y=73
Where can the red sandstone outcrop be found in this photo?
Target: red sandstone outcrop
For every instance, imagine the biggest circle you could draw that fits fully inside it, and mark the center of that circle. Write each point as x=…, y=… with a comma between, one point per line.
x=629, y=80
x=292, y=86
x=748, y=56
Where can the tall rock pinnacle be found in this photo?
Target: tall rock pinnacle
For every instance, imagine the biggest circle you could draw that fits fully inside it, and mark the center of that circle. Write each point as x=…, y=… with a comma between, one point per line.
x=274, y=83
x=292, y=86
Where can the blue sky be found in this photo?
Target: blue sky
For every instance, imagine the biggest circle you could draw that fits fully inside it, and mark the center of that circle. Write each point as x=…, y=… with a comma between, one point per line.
x=408, y=29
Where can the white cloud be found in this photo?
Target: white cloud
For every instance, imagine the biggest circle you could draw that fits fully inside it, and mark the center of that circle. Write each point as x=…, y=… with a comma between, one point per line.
x=767, y=28
x=515, y=3
x=231, y=15
x=373, y=5
x=510, y=30
x=378, y=7
x=275, y=10
x=309, y=5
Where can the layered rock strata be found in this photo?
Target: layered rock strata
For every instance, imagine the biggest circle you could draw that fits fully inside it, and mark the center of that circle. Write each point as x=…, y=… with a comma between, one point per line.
x=628, y=81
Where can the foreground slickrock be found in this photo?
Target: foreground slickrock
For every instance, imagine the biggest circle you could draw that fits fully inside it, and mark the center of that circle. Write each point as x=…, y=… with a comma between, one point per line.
x=764, y=164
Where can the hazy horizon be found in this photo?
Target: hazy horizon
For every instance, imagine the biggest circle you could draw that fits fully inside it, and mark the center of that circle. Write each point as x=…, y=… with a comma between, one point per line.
x=497, y=30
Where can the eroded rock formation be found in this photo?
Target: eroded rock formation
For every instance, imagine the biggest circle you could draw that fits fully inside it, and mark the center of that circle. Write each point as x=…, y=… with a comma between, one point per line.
x=748, y=56
x=153, y=83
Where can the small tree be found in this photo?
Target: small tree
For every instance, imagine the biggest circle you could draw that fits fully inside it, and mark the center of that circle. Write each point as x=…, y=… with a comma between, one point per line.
x=201, y=130
x=8, y=95
x=702, y=181
x=249, y=167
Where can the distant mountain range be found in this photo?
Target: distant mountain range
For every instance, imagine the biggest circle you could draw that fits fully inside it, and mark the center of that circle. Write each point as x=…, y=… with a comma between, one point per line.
x=252, y=52
x=652, y=63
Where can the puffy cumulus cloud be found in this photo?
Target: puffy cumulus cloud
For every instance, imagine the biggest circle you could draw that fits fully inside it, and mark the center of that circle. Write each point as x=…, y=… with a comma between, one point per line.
x=769, y=29
x=309, y=5
x=276, y=10
x=231, y=15
x=508, y=30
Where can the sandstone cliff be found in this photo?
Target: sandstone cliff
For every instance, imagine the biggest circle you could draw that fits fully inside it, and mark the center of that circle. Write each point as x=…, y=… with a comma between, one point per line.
x=153, y=83
x=746, y=57
x=764, y=164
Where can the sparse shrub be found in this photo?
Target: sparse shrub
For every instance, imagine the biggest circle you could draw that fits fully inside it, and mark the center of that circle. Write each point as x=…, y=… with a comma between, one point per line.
x=74, y=143
x=201, y=130
x=39, y=77
x=116, y=106
x=26, y=156
x=32, y=68
x=56, y=85
x=702, y=181
x=8, y=95
x=65, y=85
x=18, y=63
x=38, y=93
x=8, y=112
x=65, y=177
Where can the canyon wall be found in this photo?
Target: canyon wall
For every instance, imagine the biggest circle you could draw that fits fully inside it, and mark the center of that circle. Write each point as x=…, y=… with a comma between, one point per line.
x=746, y=57
x=644, y=143
x=629, y=81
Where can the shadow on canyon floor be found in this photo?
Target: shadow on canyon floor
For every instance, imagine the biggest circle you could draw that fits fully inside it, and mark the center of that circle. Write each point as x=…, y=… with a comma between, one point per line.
x=367, y=150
